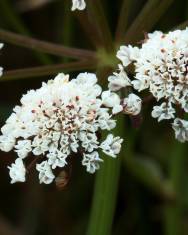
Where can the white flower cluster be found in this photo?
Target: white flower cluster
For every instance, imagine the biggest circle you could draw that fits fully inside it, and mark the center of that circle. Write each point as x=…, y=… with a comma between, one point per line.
x=57, y=121
x=161, y=67
x=78, y=4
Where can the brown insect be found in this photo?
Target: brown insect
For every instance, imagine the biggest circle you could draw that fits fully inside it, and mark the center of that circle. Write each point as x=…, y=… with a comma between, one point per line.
x=62, y=179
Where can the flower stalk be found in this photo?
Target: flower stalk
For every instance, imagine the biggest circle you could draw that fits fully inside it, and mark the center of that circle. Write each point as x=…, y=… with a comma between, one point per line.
x=46, y=47
x=152, y=10
x=173, y=211
x=105, y=192
x=47, y=70
x=104, y=198
x=98, y=18
x=123, y=21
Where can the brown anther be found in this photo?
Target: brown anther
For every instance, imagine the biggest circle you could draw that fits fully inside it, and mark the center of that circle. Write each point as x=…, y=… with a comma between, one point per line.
x=70, y=106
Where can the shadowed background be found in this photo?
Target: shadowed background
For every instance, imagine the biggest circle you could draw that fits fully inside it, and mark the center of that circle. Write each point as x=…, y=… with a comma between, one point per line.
x=153, y=185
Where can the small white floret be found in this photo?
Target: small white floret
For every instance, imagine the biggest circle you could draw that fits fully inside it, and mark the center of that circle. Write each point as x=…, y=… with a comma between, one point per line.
x=112, y=145
x=17, y=171
x=78, y=4
x=91, y=161
x=180, y=127
x=46, y=175
x=132, y=104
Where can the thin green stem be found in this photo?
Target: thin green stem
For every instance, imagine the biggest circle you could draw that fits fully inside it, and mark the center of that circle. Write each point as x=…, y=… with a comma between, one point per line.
x=123, y=21
x=105, y=193
x=47, y=70
x=44, y=46
x=65, y=25
x=104, y=198
x=90, y=30
x=97, y=17
x=148, y=17
x=16, y=23
x=173, y=211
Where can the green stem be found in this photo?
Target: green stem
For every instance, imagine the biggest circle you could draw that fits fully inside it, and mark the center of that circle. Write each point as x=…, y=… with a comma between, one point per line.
x=123, y=21
x=147, y=18
x=105, y=193
x=173, y=212
x=66, y=26
x=47, y=70
x=97, y=17
x=89, y=29
x=104, y=198
x=44, y=46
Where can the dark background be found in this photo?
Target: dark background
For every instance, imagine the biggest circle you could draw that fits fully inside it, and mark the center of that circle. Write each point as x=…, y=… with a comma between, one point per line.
x=153, y=190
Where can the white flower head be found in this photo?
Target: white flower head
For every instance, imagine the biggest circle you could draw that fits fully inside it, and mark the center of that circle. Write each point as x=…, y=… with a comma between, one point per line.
x=132, y=104
x=112, y=145
x=17, y=171
x=159, y=66
x=57, y=121
x=180, y=127
x=78, y=4
x=162, y=66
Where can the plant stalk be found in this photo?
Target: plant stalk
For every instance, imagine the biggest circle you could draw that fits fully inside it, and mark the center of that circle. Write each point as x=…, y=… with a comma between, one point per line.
x=47, y=70
x=147, y=18
x=44, y=46
x=123, y=21
x=173, y=211
x=97, y=17
x=105, y=192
